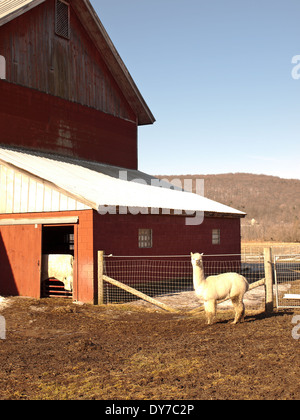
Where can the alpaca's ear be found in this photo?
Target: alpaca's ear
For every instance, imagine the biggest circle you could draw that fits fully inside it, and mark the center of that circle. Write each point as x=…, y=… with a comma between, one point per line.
x=191, y=254
x=201, y=255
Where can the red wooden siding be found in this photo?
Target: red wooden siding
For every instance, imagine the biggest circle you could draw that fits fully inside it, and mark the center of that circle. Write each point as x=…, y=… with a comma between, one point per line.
x=20, y=258
x=72, y=69
x=118, y=234
x=85, y=256
x=33, y=119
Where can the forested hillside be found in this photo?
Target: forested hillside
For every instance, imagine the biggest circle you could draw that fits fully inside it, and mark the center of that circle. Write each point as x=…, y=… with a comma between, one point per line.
x=272, y=204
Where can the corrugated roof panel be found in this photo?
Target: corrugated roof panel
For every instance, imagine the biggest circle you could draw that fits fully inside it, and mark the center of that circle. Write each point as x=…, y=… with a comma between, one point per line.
x=103, y=185
x=8, y=7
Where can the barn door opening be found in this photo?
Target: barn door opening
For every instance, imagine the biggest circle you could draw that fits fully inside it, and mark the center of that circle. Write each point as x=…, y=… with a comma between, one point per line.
x=58, y=249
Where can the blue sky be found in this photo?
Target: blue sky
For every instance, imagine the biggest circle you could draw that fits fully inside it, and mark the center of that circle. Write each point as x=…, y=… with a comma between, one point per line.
x=217, y=75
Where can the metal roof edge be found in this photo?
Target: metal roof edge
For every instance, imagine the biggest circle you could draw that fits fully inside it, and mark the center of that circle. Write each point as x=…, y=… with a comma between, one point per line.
x=20, y=11
x=239, y=215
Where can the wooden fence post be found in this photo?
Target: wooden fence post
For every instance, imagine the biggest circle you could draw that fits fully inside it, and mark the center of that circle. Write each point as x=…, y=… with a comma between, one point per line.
x=100, y=277
x=269, y=279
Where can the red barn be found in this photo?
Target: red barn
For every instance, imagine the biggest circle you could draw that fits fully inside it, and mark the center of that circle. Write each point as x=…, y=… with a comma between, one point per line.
x=69, y=179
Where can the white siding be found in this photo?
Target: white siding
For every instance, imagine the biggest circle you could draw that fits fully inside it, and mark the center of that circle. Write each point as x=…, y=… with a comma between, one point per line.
x=20, y=193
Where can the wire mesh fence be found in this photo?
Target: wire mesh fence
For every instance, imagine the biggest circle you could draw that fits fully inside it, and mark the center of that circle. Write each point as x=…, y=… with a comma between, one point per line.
x=171, y=277
x=287, y=281
x=151, y=276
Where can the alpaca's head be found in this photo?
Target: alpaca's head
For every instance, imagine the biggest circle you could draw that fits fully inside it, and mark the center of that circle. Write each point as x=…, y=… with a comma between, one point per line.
x=197, y=259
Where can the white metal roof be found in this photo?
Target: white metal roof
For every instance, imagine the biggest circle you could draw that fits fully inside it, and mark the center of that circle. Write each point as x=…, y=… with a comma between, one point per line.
x=12, y=8
x=101, y=185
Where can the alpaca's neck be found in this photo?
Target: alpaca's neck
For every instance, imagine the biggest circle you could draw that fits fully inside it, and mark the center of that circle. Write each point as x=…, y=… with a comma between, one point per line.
x=198, y=276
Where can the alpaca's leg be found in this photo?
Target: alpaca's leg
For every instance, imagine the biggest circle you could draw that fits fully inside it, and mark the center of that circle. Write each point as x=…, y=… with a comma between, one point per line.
x=235, y=304
x=239, y=308
x=242, y=317
x=210, y=310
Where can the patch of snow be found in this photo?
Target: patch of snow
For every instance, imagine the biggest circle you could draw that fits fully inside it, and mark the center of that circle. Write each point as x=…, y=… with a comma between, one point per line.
x=4, y=302
x=254, y=299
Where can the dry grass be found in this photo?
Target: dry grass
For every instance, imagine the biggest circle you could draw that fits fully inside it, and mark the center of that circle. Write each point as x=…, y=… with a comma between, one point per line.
x=279, y=248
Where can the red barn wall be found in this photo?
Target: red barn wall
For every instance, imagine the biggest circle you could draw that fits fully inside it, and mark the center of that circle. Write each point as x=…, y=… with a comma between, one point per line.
x=118, y=235
x=72, y=69
x=35, y=120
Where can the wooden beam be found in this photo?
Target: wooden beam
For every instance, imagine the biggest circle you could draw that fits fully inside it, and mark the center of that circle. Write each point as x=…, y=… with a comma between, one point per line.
x=40, y=221
x=100, y=277
x=257, y=284
x=138, y=294
x=269, y=279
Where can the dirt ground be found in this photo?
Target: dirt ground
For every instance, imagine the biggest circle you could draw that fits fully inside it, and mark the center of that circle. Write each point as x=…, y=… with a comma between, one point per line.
x=55, y=349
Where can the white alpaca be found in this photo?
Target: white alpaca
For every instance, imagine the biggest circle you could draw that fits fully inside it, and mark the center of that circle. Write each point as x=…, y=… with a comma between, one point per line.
x=229, y=285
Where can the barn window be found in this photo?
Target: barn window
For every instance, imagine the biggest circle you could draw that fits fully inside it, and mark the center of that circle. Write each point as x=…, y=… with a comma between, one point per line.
x=216, y=237
x=62, y=19
x=145, y=238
